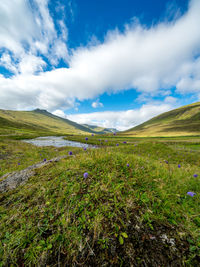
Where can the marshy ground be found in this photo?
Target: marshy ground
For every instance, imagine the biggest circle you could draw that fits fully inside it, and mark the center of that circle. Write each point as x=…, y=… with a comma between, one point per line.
x=132, y=209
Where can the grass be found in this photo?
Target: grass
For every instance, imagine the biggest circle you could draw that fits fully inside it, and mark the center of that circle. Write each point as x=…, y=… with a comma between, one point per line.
x=18, y=123
x=183, y=121
x=120, y=215
x=16, y=155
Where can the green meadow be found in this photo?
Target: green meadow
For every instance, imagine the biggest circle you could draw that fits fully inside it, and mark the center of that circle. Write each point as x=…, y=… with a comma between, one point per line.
x=130, y=209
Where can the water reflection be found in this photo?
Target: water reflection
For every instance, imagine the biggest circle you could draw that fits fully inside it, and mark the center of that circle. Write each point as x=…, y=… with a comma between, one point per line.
x=57, y=141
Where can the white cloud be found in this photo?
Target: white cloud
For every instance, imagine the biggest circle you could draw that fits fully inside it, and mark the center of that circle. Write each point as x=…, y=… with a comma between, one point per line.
x=27, y=28
x=121, y=120
x=59, y=113
x=97, y=104
x=59, y=51
x=188, y=84
x=64, y=31
x=170, y=100
x=190, y=81
x=31, y=64
x=151, y=60
x=17, y=25
x=145, y=59
x=6, y=62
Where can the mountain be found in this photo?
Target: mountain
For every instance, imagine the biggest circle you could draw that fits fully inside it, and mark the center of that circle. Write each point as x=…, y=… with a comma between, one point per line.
x=37, y=121
x=100, y=130
x=182, y=121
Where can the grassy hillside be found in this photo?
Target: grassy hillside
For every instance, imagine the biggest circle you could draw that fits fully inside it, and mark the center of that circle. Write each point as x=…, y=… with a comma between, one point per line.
x=183, y=121
x=37, y=122
x=132, y=209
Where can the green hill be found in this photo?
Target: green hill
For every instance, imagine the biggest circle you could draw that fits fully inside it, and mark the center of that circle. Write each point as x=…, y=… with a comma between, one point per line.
x=37, y=122
x=183, y=121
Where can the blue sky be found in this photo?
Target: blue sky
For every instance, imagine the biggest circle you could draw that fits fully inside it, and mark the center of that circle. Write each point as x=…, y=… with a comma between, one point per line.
x=113, y=63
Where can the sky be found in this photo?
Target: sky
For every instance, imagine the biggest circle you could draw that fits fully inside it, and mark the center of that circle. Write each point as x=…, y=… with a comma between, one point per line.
x=113, y=63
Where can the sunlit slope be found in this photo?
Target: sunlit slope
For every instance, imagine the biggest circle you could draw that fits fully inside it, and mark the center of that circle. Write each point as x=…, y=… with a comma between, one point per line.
x=183, y=121
x=15, y=122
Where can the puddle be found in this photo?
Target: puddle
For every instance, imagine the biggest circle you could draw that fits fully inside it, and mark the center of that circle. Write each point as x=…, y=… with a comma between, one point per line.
x=57, y=141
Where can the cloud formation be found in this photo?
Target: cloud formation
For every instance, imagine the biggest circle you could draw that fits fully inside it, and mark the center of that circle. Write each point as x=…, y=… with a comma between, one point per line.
x=26, y=30
x=120, y=120
x=150, y=60
x=97, y=104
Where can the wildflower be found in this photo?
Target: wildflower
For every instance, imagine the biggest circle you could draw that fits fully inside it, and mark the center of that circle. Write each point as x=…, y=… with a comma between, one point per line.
x=124, y=142
x=99, y=140
x=166, y=162
x=92, y=134
x=114, y=133
x=18, y=163
x=127, y=165
x=86, y=138
x=106, y=140
x=45, y=159
x=70, y=153
x=195, y=175
x=85, y=175
x=179, y=165
x=191, y=194
x=117, y=144
x=84, y=148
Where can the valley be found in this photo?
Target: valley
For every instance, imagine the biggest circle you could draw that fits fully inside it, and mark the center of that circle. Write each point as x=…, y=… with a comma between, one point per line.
x=131, y=201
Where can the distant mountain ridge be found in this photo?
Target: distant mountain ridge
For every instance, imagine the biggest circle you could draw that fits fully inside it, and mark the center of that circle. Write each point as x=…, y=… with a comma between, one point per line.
x=183, y=121
x=38, y=121
x=42, y=121
x=100, y=129
x=72, y=123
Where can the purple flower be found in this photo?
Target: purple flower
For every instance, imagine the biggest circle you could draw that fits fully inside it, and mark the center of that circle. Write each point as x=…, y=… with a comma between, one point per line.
x=127, y=165
x=86, y=138
x=85, y=175
x=18, y=163
x=114, y=133
x=117, y=144
x=92, y=134
x=106, y=140
x=45, y=159
x=70, y=153
x=84, y=148
x=124, y=142
x=100, y=140
x=195, y=175
x=191, y=194
x=166, y=162
x=179, y=165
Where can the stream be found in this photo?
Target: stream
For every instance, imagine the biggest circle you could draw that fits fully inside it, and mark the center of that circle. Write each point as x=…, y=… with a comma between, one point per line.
x=56, y=141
